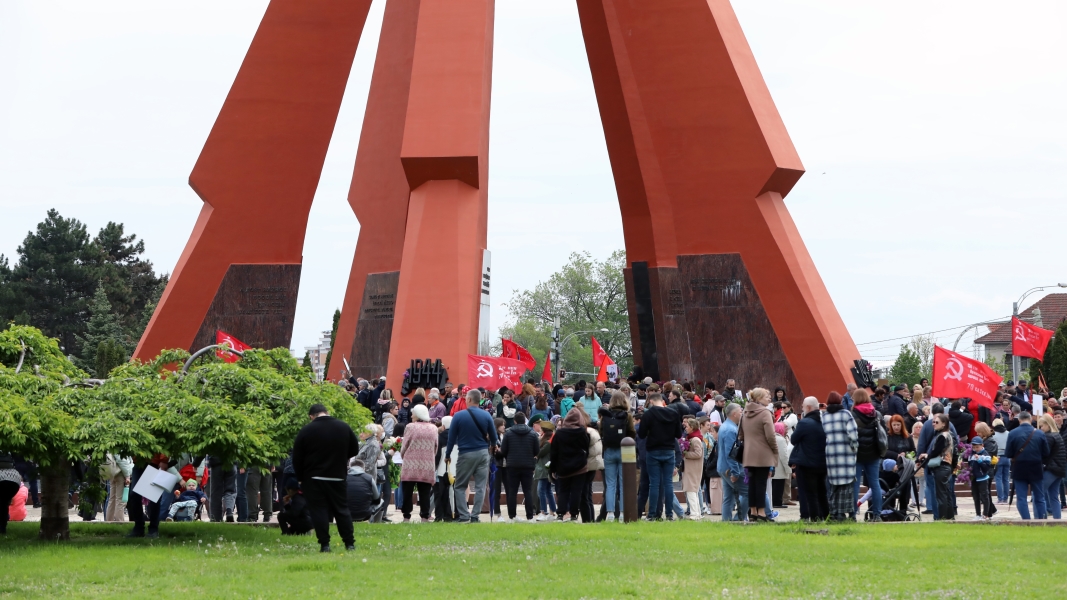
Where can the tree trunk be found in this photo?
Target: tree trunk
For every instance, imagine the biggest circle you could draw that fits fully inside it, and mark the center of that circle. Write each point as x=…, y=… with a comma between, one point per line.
x=55, y=485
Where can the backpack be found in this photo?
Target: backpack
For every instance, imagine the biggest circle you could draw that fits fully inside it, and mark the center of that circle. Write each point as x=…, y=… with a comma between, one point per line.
x=711, y=463
x=612, y=430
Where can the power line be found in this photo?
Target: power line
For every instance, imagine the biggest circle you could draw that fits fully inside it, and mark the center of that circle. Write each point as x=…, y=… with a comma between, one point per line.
x=908, y=337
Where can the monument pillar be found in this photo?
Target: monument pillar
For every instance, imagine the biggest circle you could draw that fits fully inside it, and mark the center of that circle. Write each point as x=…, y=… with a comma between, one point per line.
x=445, y=152
x=257, y=176
x=702, y=160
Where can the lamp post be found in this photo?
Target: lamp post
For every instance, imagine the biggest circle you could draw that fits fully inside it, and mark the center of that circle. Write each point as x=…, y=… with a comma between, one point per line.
x=1015, y=313
x=559, y=350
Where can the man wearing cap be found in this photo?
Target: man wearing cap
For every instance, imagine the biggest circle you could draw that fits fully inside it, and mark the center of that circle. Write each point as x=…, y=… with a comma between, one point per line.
x=896, y=405
x=320, y=463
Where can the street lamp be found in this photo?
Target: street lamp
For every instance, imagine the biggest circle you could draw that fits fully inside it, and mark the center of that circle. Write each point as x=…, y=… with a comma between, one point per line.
x=1015, y=313
x=559, y=350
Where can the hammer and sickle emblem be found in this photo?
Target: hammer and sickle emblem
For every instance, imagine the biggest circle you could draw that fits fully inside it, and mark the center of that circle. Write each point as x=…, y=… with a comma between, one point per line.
x=955, y=369
x=1020, y=333
x=485, y=369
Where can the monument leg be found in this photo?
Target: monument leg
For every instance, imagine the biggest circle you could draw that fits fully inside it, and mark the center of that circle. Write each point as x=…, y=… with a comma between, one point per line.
x=445, y=157
x=257, y=176
x=379, y=197
x=680, y=96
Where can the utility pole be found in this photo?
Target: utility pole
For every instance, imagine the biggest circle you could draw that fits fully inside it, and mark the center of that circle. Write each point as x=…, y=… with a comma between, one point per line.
x=555, y=347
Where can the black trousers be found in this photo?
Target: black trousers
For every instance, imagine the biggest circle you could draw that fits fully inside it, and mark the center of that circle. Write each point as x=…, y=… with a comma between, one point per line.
x=569, y=495
x=8, y=489
x=136, y=509
x=642, y=491
x=424, y=498
x=943, y=492
x=499, y=485
x=811, y=486
x=777, y=490
x=291, y=526
x=983, y=504
x=588, y=516
x=757, y=487
x=517, y=476
x=442, y=492
x=328, y=499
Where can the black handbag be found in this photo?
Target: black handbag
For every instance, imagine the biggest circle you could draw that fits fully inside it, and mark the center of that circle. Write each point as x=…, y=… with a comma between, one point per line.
x=737, y=452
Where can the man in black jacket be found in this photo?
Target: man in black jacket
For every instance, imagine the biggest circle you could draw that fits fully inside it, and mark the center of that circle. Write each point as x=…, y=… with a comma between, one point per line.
x=320, y=462
x=809, y=457
x=960, y=419
x=519, y=451
x=661, y=427
x=895, y=404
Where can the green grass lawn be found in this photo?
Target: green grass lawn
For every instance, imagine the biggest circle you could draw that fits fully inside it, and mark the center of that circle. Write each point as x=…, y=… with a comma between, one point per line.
x=651, y=560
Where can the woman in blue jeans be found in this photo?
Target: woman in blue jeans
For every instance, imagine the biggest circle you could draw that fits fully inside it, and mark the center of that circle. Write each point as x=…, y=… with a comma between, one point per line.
x=868, y=456
x=1055, y=465
x=615, y=425
x=1002, y=475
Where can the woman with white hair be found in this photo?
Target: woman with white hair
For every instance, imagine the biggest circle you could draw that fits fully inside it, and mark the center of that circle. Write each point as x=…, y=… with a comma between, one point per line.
x=370, y=450
x=419, y=469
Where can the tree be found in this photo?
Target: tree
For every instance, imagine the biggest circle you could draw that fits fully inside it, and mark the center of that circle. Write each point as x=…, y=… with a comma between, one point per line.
x=247, y=412
x=923, y=347
x=1039, y=367
x=306, y=363
x=908, y=367
x=51, y=283
x=103, y=331
x=1056, y=374
x=333, y=338
x=58, y=271
x=586, y=295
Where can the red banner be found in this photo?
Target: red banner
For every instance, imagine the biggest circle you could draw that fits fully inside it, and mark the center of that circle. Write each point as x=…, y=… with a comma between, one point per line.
x=598, y=353
x=229, y=342
x=956, y=376
x=546, y=375
x=608, y=370
x=1028, y=341
x=493, y=372
x=510, y=349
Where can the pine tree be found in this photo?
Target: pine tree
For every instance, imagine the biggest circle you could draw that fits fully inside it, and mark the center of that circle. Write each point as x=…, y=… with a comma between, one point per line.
x=306, y=363
x=103, y=327
x=333, y=338
x=109, y=354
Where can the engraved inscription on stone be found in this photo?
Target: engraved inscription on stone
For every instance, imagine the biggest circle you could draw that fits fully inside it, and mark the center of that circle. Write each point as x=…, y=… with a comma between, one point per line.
x=381, y=306
x=675, y=304
x=729, y=289
x=263, y=301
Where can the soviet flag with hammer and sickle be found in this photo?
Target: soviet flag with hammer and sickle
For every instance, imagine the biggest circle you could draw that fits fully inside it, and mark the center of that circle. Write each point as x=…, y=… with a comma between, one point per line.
x=956, y=376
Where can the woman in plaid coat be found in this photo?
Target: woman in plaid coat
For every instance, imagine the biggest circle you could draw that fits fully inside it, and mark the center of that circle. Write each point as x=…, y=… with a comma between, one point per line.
x=842, y=442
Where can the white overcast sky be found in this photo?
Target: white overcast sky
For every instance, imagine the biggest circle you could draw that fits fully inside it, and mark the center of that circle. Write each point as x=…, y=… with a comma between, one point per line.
x=933, y=134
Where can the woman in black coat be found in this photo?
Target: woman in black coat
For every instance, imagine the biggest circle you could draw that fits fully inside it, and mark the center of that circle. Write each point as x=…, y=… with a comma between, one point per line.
x=809, y=458
x=568, y=460
x=899, y=438
x=1055, y=465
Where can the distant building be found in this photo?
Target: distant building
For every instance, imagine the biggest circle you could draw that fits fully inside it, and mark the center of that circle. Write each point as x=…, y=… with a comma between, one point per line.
x=318, y=355
x=1048, y=313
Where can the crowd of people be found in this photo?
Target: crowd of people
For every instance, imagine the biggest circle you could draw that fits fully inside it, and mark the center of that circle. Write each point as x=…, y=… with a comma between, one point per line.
x=737, y=455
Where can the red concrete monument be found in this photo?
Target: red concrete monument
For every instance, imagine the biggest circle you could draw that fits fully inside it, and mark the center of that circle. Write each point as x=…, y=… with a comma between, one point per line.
x=693, y=138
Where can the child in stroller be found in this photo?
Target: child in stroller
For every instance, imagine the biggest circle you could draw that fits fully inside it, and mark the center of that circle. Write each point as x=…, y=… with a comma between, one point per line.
x=187, y=506
x=898, y=476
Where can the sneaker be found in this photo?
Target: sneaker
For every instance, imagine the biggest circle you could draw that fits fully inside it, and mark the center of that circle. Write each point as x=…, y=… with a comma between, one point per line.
x=519, y=519
x=350, y=547
x=610, y=518
x=503, y=520
x=774, y=515
x=928, y=512
x=170, y=520
x=324, y=548
x=229, y=518
x=266, y=518
x=475, y=520
x=152, y=535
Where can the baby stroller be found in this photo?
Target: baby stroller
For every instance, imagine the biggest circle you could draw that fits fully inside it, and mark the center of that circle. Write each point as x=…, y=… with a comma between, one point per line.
x=889, y=499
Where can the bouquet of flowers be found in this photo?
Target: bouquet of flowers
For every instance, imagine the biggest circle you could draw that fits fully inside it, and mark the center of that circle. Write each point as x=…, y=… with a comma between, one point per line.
x=392, y=446
x=684, y=443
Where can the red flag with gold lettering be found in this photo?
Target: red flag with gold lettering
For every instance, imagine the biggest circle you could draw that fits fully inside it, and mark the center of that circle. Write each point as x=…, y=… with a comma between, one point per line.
x=494, y=372
x=1028, y=341
x=957, y=376
x=228, y=342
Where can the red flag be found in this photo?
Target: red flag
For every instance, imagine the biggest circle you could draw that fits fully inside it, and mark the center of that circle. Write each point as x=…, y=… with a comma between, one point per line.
x=956, y=376
x=1028, y=341
x=608, y=370
x=546, y=375
x=598, y=353
x=492, y=372
x=509, y=349
x=229, y=342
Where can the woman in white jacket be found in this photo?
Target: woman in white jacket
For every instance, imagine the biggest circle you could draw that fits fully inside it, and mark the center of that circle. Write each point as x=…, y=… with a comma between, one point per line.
x=782, y=473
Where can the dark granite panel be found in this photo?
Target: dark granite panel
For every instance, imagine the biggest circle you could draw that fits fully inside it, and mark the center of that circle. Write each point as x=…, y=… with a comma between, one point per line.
x=672, y=336
x=255, y=304
x=729, y=332
x=644, y=341
x=370, y=349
